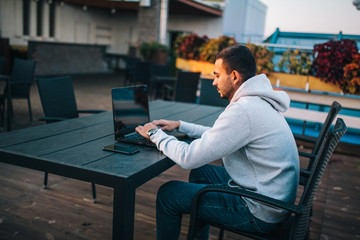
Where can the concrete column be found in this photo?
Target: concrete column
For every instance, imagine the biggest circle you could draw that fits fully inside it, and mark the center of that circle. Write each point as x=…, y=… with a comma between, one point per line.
x=149, y=22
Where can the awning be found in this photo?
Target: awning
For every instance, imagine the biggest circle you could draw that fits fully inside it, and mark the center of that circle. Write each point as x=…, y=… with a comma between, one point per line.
x=119, y=5
x=192, y=7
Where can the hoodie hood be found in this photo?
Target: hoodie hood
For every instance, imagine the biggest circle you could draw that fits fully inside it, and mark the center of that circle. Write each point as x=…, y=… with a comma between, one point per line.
x=260, y=86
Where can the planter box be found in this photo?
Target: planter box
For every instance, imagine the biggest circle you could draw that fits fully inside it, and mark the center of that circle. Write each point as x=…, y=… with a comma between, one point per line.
x=302, y=82
x=276, y=79
x=316, y=84
x=206, y=69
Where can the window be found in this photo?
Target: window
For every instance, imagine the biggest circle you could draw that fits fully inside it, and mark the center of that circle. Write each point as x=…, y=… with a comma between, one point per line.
x=52, y=19
x=26, y=17
x=39, y=17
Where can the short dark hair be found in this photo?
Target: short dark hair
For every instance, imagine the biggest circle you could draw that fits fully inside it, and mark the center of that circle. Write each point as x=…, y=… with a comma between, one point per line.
x=239, y=58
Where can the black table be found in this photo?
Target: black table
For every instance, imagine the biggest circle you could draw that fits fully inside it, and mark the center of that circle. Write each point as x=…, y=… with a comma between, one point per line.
x=73, y=149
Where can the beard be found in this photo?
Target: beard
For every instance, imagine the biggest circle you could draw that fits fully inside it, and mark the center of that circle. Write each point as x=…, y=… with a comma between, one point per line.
x=224, y=94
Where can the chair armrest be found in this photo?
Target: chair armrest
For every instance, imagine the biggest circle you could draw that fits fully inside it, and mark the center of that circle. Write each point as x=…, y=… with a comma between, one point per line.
x=166, y=92
x=248, y=194
x=52, y=119
x=165, y=79
x=304, y=176
x=91, y=111
x=304, y=138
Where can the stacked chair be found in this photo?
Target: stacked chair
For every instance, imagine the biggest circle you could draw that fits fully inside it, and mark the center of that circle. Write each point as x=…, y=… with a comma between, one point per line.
x=17, y=87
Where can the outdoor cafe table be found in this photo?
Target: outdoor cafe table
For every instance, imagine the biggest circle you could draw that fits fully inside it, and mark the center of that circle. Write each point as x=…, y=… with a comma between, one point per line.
x=73, y=149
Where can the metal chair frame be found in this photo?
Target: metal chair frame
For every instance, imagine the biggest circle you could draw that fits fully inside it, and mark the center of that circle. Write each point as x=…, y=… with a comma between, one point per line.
x=296, y=226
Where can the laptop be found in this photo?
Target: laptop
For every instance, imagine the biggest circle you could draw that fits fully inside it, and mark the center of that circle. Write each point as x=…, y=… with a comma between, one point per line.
x=131, y=108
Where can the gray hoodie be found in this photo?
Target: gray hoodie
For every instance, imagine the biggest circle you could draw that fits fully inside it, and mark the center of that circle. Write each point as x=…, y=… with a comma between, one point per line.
x=253, y=139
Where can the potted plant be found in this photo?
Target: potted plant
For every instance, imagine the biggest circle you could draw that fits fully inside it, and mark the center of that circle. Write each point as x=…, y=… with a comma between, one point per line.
x=214, y=46
x=189, y=46
x=330, y=58
x=263, y=58
x=154, y=52
x=294, y=67
x=295, y=62
x=351, y=83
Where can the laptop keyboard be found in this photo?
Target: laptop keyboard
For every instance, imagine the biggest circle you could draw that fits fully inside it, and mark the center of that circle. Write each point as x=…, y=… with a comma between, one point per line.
x=138, y=139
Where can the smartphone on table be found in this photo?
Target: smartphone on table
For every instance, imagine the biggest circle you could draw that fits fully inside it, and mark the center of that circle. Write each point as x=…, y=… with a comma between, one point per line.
x=121, y=149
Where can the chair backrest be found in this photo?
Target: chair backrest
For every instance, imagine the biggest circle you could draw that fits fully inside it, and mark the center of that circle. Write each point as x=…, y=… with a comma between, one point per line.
x=334, y=110
x=143, y=72
x=23, y=71
x=209, y=95
x=130, y=62
x=57, y=97
x=161, y=70
x=186, y=86
x=2, y=64
x=333, y=136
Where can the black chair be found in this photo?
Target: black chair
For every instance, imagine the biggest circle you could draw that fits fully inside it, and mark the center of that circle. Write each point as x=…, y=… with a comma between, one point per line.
x=334, y=110
x=18, y=86
x=2, y=64
x=209, y=95
x=130, y=65
x=161, y=75
x=143, y=73
x=296, y=226
x=185, y=87
x=59, y=103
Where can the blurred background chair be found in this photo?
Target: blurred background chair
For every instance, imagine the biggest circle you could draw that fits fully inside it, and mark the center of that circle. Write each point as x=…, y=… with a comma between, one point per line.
x=296, y=226
x=58, y=101
x=185, y=87
x=17, y=87
x=130, y=65
x=2, y=64
x=142, y=74
x=209, y=94
x=161, y=75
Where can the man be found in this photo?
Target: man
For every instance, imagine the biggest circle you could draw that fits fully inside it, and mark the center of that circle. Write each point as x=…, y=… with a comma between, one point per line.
x=252, y=138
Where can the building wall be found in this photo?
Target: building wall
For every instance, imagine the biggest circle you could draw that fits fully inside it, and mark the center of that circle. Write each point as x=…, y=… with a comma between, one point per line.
x=245, y=20
x=11, y=21
x=72, y=25
x=118, y=31
x=96, y=26
x=201, y=25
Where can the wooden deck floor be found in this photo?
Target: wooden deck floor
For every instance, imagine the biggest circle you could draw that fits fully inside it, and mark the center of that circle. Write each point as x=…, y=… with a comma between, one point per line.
x=65, y=211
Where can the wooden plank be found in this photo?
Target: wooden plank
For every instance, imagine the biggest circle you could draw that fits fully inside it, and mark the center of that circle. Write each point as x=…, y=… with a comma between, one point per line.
x=169, y=109
x=200, y=112
x=58, y=142
x=46, y=130
x=159, y=104
x=316, y=116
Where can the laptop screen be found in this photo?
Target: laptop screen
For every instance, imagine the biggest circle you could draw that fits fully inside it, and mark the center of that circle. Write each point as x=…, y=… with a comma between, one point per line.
x=130, y=108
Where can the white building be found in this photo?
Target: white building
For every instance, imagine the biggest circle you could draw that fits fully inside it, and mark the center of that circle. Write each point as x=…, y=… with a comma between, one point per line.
x=119, y=25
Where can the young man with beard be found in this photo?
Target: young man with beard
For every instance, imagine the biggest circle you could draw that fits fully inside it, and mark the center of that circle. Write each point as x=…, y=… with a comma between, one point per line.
x=255, y=143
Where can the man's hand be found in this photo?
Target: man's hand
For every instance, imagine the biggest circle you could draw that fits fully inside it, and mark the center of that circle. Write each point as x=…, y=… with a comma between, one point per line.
x=142, y=130
x=167, y=125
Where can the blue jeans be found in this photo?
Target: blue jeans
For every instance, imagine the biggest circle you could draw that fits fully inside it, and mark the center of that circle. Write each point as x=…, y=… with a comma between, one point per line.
x=174, y=199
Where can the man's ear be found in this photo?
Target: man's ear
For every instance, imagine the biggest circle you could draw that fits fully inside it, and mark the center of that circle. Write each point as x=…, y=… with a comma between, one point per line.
x=236, y=77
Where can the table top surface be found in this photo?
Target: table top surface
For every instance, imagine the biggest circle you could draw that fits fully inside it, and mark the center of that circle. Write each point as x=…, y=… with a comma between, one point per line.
x=78, y=143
